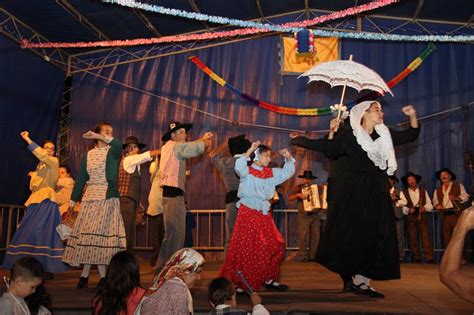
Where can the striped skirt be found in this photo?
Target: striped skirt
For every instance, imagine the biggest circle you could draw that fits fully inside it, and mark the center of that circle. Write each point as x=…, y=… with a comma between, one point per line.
x=97, y=235
x=36, y=236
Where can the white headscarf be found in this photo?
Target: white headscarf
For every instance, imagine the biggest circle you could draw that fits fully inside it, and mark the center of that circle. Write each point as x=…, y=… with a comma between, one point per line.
x=380, y=151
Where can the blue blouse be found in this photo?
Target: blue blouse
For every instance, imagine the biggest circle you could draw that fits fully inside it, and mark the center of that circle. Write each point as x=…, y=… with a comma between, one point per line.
x=255, y=192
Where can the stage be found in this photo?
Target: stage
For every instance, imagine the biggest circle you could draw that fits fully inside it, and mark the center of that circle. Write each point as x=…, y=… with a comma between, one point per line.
x=312, y=289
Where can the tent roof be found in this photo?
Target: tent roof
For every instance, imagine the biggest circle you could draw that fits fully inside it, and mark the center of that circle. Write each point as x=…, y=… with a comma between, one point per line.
x=88, y=20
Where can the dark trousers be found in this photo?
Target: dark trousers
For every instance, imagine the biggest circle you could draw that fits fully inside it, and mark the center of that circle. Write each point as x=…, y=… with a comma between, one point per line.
x=128, y=208
x=174, y=220
x=308, y=234
x=449, y=222
x=157, y=233
x=419, y=224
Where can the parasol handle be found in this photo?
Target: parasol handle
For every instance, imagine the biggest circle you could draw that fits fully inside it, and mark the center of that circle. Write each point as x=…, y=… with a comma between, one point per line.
x=342, y=97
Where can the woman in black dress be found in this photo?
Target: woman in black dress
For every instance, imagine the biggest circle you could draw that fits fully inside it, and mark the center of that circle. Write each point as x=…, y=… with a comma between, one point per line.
x=360, y=240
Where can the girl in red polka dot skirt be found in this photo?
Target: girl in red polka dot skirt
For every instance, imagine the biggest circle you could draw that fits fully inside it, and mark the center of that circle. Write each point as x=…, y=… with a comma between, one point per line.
x=256, y=247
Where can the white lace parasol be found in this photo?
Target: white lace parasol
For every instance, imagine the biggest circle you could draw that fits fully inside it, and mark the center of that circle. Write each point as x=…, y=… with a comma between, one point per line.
x=353, y=74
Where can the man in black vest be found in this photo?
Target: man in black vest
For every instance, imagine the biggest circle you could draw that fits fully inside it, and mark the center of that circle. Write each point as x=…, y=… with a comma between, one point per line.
x=449, y=199
x=129, y=183
x=416, y=202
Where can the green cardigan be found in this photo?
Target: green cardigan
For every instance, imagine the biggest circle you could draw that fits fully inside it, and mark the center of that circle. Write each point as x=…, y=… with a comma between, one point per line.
x=111, y=172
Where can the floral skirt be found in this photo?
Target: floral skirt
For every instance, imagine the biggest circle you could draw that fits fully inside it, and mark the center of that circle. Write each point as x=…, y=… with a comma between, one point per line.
x=97, y=235
x=256, y=249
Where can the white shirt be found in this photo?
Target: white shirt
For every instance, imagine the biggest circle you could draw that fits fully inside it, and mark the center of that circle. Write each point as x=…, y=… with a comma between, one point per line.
x=415, y=198
x=258, y=309
x=446, y=202
x=131, y=162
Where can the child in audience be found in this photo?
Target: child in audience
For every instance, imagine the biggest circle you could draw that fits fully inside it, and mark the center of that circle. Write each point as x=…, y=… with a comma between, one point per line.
x=222, y=296
x=26, y=275
x=121, y=292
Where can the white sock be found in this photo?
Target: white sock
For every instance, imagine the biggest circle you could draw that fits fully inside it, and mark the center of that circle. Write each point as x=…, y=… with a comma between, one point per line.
x=361, y=280
x=101, y=269
x=85, y=271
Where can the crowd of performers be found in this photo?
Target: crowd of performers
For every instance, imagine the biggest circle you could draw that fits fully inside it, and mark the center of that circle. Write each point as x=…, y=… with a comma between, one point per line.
x=360, y=240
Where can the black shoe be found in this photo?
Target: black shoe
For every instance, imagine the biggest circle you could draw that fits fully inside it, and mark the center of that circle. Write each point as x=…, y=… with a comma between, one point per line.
x=347, y=280
x=417, y=261
x=82, y=282
x=272, y=286
x=101, y=284
x=431, y=261
x=370, y=292
x=48, y=276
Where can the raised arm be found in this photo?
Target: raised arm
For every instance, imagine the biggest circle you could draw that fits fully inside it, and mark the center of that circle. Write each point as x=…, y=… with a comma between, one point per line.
x=400, y=137
x=241, y=163
x=318, y=145
x=282, y=174
x=40, y=153
x=131, y=161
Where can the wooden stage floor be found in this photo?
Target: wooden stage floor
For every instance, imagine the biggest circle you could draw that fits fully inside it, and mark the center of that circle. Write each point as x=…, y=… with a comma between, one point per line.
x=312, y=290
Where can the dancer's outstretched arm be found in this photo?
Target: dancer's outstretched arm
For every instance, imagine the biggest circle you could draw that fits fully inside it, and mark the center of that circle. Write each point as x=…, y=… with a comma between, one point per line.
x=450, y=273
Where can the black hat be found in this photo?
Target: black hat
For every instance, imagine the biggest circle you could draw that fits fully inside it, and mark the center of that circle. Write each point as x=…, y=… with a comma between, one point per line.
x=133, y=139
x=410, y=174
x=308, y=175
x=238, y=145
x=394, y=178
x=172, y=127
x=438, y=173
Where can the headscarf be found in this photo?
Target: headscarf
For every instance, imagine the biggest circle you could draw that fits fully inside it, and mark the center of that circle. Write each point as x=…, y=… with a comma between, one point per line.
x=184, y=261
x=380, y=151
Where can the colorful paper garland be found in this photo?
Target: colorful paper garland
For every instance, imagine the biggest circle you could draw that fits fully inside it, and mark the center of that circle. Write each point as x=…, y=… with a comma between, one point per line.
x=309, y=111
x=287, y=27
x=249, y=30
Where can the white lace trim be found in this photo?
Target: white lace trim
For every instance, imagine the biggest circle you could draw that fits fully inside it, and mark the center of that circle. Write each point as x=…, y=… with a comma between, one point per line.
x=380, y=151
x=351, y=73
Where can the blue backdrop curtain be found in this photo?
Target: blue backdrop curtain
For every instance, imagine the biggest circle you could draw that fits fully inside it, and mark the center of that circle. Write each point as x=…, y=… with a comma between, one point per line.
x=443, y=81
x=30, y=96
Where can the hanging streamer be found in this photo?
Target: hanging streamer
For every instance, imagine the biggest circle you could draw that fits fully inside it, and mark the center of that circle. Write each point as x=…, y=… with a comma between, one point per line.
x=266, y=27
x=251, y=27
x=252, y=100
x=262, y=28
x=309, y=111
x=399, y=77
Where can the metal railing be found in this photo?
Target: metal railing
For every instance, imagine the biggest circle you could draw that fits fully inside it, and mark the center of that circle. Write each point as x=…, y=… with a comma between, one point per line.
x=209, y=228
x=209, y=233
x=10, y=217
x=204, y=234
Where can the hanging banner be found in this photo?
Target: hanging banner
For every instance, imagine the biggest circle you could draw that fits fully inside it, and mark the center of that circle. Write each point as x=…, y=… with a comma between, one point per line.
x=326, y=49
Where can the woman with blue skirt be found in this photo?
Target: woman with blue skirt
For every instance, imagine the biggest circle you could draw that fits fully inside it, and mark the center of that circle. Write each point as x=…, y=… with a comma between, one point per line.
x=36, y=235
